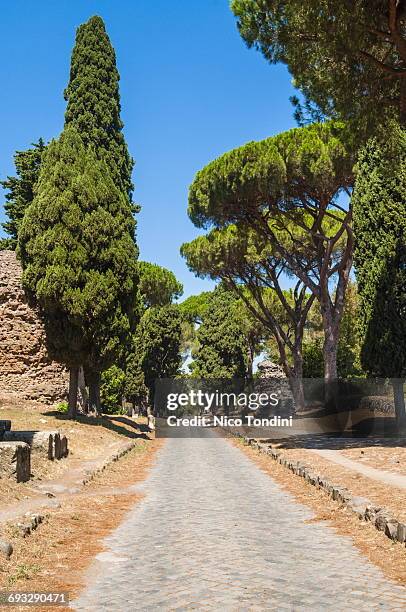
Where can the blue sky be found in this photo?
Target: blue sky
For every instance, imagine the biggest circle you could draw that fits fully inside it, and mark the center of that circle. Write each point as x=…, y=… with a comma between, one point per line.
x=190, y=90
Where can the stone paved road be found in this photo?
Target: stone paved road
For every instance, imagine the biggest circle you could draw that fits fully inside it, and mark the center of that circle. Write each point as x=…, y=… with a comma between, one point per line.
x=214, y=532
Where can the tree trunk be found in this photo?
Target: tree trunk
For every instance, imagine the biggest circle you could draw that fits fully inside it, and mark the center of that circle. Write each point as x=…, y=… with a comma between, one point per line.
x=330, y=348
x=94, y=392
x=250, y=363
x=83, y=391
x=73, y=392
x=296, y=382
x=296, y=386
x=399, y=400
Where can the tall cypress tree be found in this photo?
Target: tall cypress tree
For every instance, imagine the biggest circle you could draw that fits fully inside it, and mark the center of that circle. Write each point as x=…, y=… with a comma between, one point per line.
x=94, y=100
x=77, y=249
x=380, y=259
x=222, y=349
x=93, y=108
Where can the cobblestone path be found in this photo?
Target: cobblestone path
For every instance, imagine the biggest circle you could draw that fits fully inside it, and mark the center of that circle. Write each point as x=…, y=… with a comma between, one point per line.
x=214, y=532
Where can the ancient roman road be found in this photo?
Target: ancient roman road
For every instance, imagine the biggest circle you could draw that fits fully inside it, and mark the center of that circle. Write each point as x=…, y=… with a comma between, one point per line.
x=214, y=532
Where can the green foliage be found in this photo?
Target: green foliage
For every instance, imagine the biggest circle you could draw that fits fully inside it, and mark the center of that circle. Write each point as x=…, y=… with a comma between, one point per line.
x=76, y=244
x=273, y=205
x=158, y=342
x=157, y=286
x=222, y=350
x=347, y=58
x=348, y=353
x=20, y=190
x=195, y=306
x=94, y=101
x=93, y=110
x=62, y=407
x=112, y=389
x=380, y=253
x=135, y=389
x=349, y=346
x=294, y=172
x=313, y=363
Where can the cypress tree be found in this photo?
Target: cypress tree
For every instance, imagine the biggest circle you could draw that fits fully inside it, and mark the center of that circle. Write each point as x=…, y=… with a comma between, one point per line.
x=76, y=244
x=20, y=190
x=94, y=100
x=380, y=259
x=93, y=108
x=157, y=345
x=222, y=351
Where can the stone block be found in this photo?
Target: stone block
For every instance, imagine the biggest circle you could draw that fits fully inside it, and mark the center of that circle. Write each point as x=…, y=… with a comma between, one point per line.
x=44, y=442
x=6, y=548
x=5, y=425
x=15, y=461
x=391, y=529
x=64, y=447
x=401, y=533
x=359, y=505
x=371, y=513
x=338, y=494
x=380, y=520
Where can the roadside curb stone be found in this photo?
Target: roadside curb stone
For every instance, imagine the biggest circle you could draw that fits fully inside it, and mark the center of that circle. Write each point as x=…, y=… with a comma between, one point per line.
x=379, y=517
x=6, y=548
x=112, y=459
x=30, y=521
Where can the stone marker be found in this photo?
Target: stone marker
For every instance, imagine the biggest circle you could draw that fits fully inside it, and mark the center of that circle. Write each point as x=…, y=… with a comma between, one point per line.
x=391, y=529
x=64, y=447
x=380, y=520
x=6, y=548
x=15, y=461
x=5, y=425
x=44, y=442
x=57, y=446
x=401, y=534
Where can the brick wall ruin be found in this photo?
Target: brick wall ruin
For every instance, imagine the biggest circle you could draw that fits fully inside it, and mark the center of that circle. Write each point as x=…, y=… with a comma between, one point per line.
x=26, y=372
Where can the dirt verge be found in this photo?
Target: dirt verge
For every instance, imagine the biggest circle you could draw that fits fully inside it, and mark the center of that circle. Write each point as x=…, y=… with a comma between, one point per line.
x=56, y=555
x=389, y=556
x=89, y=438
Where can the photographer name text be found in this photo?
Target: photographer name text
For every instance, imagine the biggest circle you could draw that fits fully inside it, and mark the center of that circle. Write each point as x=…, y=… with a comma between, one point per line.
x=225, y=421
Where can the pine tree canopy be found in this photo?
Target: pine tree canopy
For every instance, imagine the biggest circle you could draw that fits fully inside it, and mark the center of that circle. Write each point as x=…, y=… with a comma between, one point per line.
x=78, y=253
x=295, y=172
x=94, y=101
x=195, y=306
x=158, y=286
x=347, y=57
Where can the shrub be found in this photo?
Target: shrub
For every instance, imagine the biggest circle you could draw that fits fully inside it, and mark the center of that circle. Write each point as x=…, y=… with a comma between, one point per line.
x=112, y=389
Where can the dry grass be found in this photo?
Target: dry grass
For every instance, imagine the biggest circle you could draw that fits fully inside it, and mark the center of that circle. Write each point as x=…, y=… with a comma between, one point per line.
x=55, y=556
x=389, y=556
x=390, y=497
x=390, y=459
x=89, y=437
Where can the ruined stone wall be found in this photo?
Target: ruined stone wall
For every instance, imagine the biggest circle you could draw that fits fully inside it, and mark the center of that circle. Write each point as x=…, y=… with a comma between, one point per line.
x=26, y=372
